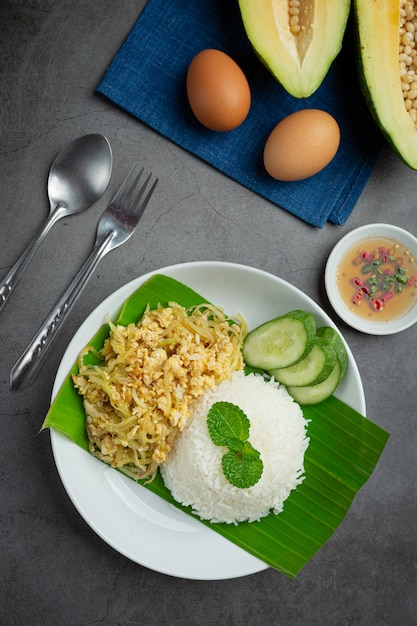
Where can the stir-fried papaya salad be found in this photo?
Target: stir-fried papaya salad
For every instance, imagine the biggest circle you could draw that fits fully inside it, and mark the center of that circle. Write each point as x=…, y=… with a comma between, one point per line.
x=142, y=393
x=140, y=396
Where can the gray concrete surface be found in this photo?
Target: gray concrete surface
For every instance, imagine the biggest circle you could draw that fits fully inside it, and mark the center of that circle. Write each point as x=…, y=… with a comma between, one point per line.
x=54, y=570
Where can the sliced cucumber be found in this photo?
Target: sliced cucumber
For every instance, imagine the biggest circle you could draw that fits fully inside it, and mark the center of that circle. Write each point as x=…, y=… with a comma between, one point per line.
x=280, y=342
x=313, y=394
x=312, y=370
x=334, y=339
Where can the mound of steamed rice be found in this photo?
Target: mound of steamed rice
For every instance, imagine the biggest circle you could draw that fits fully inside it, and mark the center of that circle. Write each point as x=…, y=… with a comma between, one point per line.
x=193, y=471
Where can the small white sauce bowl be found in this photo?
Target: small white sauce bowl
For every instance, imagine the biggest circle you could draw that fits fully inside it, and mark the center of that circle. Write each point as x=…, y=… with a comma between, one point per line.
x=369, y=231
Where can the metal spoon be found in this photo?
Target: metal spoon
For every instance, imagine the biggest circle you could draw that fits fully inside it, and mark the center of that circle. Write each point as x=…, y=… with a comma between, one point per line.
x=78, y=178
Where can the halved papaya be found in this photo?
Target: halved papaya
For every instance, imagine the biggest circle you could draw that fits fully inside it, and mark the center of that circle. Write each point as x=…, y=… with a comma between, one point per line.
x=297, y=40
x=383, y=27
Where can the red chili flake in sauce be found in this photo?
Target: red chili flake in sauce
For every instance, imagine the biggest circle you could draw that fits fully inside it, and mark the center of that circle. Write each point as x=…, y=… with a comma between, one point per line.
x=383, y=277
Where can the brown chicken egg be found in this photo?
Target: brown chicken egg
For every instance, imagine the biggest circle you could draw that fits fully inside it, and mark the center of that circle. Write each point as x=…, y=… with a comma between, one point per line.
x=217, y=90
x=301, y=145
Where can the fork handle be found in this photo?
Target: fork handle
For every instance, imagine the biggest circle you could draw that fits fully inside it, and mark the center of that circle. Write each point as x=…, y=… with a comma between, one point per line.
x=28, y=365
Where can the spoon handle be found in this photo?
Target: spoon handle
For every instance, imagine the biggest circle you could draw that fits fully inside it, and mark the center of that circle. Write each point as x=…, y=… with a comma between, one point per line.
x=28, y=365
x=11, y=279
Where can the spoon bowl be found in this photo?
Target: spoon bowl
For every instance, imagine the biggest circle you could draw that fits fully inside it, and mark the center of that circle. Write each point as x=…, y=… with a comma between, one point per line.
x=78, y=178
x=80, y=174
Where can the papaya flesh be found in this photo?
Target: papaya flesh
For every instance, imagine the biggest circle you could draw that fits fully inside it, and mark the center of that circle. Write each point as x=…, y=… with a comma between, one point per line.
x=297, y=40
x=386, y=69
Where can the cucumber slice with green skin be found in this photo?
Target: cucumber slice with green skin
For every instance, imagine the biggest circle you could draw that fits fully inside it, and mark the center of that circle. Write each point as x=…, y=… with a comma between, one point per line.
x=312, y=370
x=280, y=342
x=313, y=394
x=334, y=339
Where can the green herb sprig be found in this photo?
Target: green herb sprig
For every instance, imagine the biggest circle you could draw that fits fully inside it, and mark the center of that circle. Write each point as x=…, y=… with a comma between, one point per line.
x=229, y=426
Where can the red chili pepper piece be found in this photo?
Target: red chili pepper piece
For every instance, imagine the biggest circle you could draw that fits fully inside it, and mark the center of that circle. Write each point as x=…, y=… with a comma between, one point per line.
x=383, y=250
x=365, y=255
x=378, y=304
x=357, y=281
x=412, y=280
x=387, y=296
x=358, y=297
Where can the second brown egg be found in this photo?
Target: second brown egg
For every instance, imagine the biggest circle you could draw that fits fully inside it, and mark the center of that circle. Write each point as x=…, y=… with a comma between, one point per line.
x=301, y=145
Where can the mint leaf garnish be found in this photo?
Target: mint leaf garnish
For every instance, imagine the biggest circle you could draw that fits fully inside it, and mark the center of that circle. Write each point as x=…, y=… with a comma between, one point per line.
x=228, y=426
x=243, y=470
x=225, y=422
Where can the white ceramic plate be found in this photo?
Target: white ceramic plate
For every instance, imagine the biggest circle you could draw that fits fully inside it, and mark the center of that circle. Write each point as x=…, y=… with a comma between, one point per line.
x=134, y=521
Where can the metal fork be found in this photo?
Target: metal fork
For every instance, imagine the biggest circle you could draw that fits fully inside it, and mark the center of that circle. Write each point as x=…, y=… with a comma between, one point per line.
x=116, y=225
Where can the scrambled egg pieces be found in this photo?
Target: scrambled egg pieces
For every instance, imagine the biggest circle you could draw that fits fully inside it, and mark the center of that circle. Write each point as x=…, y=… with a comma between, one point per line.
x=142, y=395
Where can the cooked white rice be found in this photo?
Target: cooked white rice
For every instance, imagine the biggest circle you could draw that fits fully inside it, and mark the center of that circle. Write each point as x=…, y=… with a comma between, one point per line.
x=193, y=471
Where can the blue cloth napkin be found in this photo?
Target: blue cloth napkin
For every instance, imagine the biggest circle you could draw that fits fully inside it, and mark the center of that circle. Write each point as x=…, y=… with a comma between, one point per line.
x=147, y=79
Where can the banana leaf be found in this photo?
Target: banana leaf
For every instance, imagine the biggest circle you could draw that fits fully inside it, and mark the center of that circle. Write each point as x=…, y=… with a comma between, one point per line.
x=343, y=452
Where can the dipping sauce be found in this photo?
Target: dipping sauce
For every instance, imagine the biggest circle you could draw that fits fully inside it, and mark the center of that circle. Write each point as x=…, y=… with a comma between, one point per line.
x=377, y=279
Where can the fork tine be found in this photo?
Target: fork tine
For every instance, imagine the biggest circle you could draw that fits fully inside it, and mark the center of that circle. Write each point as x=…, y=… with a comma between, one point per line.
x=126, y=192
x=126, y=185
x=128, y=196
x=139, y=204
